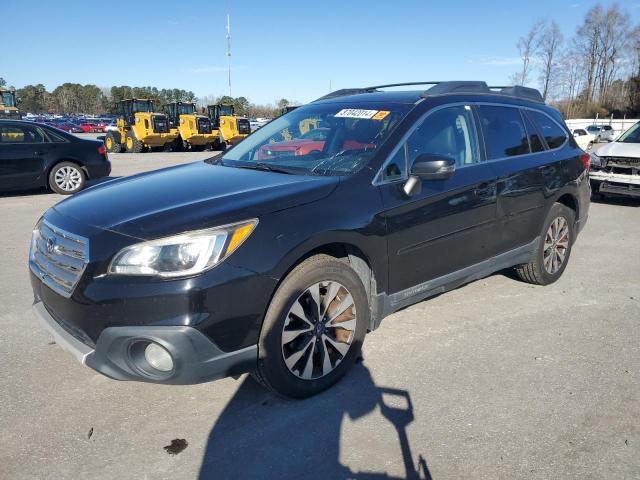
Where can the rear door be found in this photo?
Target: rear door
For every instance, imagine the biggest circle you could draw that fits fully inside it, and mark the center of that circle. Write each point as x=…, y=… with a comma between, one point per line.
x=448, y=226
x=525, y=169
x=22, y=151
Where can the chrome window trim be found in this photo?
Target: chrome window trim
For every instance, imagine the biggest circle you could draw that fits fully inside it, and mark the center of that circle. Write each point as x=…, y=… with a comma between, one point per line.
x=376, y=179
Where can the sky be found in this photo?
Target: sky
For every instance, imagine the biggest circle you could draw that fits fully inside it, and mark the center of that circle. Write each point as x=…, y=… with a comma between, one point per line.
x=280, y=49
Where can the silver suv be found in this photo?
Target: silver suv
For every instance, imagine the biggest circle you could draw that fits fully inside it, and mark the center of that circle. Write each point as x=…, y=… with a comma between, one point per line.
x=602, y=133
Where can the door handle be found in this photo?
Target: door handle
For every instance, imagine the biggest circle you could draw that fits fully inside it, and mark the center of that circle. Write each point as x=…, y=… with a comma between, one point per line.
x=37, y=152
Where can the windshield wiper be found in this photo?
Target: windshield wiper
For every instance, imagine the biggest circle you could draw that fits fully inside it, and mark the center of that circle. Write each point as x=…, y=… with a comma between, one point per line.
x=266, y=168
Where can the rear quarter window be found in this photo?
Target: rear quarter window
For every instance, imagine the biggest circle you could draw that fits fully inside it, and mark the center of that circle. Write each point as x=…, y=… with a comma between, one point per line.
x=554, y=134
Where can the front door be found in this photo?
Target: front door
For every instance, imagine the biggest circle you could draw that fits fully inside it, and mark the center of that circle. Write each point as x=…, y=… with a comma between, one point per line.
x=449, y=224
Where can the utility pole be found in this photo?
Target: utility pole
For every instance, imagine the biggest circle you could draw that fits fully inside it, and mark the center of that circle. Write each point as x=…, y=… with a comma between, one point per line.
x=229, y=45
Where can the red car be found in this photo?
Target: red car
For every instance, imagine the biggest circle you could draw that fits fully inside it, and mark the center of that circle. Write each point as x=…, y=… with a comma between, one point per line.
x=66, y=126
x=310, y=142
x=92, y=126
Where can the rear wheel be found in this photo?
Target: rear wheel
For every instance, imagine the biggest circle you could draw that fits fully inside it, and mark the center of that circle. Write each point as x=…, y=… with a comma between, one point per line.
x=554, y=250
x=112, y=143
x=314, y=328
x=133, y=144
x=66, y=178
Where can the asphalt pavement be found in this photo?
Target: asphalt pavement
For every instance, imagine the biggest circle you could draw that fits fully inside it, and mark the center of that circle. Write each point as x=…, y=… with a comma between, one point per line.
x=497, y=379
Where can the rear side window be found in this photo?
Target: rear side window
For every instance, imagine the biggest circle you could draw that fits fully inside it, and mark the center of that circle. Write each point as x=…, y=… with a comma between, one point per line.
x=534, y=137
x=54, y=137
x=554, y=135
x=20, y=134
x=504, y=132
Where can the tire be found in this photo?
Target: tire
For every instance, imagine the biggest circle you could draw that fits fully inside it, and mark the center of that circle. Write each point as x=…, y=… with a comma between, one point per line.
x=543, y=270
x=66, y=178
x=133, y=144
x=112, y=142
x=293, y=377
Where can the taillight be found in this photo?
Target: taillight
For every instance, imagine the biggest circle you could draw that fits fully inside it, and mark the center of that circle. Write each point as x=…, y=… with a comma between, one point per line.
x=585, y=158
x=101, y=150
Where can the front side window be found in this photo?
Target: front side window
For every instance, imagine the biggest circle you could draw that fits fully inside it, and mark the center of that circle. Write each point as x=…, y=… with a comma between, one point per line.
x=504, y=132
x=7, y=99
x=20, y=134
x=319, y=139
x=448, y=132
x=554, y=135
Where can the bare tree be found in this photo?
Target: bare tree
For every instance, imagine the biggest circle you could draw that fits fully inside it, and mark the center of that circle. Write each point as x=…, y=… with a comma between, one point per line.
x=551, y=41
x=588, y=36
x=528, y=47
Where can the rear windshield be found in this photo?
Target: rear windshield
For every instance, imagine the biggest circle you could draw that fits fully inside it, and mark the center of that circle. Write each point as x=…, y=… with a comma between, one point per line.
x=320, y=139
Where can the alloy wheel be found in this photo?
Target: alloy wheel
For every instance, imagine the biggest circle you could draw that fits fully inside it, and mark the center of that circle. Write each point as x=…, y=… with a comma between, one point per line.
x=556, y=245
x=68, y=178
x=318, y=330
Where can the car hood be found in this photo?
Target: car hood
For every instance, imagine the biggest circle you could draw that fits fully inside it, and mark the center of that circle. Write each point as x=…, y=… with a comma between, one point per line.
x=190, y=197
x=619, y=149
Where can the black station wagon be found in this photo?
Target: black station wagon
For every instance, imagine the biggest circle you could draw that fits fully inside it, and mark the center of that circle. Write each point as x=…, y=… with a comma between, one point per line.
x=279, y=255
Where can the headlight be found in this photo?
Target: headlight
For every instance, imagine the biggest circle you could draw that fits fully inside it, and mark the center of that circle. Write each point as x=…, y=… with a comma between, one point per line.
x=185, y=254
x=595, y=160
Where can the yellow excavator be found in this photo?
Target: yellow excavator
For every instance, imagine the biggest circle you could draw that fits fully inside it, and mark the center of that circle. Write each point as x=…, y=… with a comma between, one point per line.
x=232, y=129
x=194, y=132
x=9, y=104
x=139, y=128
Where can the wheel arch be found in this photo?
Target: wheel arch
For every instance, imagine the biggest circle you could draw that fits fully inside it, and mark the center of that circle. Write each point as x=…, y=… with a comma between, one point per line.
x=357, y=259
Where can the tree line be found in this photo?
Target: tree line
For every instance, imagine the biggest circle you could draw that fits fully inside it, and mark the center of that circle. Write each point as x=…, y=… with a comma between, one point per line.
x=594, y=71
x=74, y=98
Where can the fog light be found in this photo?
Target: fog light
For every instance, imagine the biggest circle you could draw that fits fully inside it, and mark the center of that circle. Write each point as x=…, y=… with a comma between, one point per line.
x=158, y=357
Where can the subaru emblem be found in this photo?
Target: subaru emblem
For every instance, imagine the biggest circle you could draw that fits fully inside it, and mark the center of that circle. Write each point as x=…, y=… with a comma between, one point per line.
x=51, y=245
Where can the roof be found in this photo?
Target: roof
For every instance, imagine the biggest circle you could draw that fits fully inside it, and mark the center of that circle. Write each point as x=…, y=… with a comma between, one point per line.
x=365, y=94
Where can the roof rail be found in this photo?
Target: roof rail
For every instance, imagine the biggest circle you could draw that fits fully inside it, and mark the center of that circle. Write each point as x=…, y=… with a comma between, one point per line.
x=443, y=88
x=519, y=91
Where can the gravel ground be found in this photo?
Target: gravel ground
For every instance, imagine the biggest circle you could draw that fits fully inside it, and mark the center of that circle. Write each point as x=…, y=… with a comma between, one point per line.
x=497, y=379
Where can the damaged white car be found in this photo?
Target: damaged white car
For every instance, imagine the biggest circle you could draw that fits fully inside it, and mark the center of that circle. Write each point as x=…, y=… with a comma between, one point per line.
x=615, y=168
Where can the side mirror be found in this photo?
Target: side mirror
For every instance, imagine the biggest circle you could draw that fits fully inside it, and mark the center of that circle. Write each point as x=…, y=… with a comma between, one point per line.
x=433, y=167
x=428, y=167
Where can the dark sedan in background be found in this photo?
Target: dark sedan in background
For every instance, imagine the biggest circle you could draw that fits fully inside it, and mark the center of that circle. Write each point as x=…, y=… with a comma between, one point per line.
x=34, y=155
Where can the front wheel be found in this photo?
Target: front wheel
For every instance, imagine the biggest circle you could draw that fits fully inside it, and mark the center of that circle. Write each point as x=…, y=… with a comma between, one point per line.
x=66, y=178
x=554, y=250
x=314, y=328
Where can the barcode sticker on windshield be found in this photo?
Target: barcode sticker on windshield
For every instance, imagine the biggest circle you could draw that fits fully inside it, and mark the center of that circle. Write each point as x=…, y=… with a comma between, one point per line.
x=355, y=113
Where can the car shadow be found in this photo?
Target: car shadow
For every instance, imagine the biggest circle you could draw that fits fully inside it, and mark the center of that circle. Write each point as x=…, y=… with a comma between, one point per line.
x=259, y=435
x=612, y=199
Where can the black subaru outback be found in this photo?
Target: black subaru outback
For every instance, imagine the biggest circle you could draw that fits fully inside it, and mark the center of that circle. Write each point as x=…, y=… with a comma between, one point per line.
x=278, y=256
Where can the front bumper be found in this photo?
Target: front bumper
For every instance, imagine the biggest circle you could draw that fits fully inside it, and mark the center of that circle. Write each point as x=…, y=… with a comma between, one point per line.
x=196, y=358
x=617, y=183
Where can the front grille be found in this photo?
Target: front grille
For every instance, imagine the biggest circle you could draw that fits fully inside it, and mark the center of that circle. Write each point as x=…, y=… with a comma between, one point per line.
x=622, y=162
x=244, y=127
x=58, y=257
x=160, y=124
x=204, y=125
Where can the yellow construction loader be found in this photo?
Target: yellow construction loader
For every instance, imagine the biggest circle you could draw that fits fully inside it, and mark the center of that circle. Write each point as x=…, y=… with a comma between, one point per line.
x=8, y=104
x=232, y=129
x=194, y=132
x=139, y=128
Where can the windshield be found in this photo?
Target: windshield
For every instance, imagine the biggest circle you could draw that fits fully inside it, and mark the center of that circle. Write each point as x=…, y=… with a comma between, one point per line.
x=321, y=139
x=7, y=99
x=632, y=135
x=226, y=110
x=186, y=109
x=141, y=106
